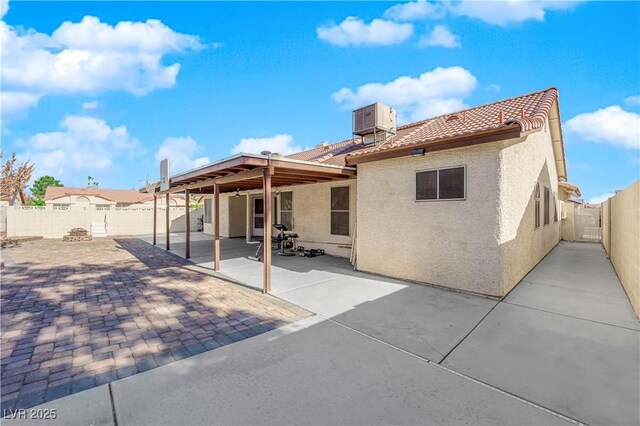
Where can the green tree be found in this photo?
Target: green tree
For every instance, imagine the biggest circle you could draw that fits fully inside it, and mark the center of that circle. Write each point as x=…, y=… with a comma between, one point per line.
x=91, y=182
x=39, y=188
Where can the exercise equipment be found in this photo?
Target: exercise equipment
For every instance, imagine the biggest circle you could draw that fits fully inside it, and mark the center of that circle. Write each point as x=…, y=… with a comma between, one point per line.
x=309, y=253
x=284, y=242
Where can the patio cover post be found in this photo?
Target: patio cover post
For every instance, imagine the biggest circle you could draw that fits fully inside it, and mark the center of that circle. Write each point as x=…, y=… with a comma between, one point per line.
x=167, y=225
x=187, y=247
x=155, y=218
x=216, y=227
x=266, y=186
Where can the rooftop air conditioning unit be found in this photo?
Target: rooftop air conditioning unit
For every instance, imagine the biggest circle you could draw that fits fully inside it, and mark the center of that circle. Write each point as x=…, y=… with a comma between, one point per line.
x=373, y=119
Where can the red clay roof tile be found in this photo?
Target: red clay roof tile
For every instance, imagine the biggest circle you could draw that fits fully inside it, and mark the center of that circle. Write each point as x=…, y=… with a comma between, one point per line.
x=527, y=111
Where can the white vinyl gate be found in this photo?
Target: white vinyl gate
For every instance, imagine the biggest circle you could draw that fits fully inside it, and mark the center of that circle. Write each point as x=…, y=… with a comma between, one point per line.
x=587, y=224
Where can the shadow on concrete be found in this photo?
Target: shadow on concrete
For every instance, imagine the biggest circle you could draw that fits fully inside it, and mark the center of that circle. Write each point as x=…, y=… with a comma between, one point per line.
x=126, y=318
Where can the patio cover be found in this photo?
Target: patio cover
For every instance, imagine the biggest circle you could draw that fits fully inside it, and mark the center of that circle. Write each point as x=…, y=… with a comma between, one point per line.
x=245, y=172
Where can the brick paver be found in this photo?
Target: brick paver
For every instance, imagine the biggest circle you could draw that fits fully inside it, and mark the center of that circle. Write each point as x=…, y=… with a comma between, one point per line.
x=78, y=315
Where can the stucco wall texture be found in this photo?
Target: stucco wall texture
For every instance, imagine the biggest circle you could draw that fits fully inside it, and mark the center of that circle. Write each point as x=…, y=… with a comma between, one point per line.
x=447, y=243
x=622, y=230
x=568, y=208
x=522, y=246
x=50, y=223
x=311, y=216
x=485, y=244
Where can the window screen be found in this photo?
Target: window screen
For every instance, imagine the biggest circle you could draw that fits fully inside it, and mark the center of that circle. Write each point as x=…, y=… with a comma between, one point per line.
x=536, y=201
x=427, y=185
x=286, y=209
x=442, y=184
x=451, y=183
x=340, y=210
x=547, y=205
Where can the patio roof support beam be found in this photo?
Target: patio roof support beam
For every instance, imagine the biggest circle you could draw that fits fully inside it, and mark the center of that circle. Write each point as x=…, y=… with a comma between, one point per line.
x=266, y=188
x=168, y=223
x=216, y=227
x=155, y=218
x=187, y=247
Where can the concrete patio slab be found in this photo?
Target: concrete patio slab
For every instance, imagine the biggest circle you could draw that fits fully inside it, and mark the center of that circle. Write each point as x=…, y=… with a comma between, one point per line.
x=340, y=294
x=91, y=407
x=322, y=374
x=423, y=320
x=583, y=369
x=597, y=307
x=578, y=266
x=287, y=273
x=590, y=289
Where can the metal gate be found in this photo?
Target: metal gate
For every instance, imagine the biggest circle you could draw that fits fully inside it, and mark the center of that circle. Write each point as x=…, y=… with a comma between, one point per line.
x=587, y=224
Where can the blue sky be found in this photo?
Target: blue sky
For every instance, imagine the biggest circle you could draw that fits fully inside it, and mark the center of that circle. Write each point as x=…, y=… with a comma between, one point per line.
x=106, y=89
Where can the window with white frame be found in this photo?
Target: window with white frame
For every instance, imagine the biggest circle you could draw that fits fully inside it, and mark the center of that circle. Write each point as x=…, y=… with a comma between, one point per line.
x=286, y=209
x=536, y=200
x=340, y=210
x=441, y=184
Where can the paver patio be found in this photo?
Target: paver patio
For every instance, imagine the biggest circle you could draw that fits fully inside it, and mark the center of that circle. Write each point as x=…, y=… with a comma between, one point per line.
x=78, y=315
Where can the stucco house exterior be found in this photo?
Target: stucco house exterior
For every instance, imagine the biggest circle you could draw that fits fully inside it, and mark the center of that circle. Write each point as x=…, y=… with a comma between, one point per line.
x=468, y=200
x=63, y=196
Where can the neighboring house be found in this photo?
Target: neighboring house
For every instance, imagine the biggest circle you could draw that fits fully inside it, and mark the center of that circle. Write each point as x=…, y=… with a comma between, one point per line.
x=467, y=200
x=62, y=196
x=17, y=199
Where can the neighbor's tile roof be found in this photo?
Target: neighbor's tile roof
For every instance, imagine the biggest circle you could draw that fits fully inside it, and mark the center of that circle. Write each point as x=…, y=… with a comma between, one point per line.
x=528, y=111
x=123, y=196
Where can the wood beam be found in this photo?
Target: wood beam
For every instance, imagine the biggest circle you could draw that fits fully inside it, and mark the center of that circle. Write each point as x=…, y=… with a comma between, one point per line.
x=216, y=228
x=234, y=162
x=187, y=247
x=155, y=218
x=293, y=166
x=266, y=188
x=240, y=176
x=168, y=224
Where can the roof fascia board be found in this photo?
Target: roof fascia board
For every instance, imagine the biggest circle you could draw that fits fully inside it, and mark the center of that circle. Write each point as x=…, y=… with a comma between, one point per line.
x=503, y=133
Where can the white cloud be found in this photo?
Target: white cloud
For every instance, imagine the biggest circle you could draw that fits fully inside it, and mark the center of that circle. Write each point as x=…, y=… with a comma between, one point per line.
x=508, y=11
x=4, y=8
x=282, y=143
x=84, y=143
x=181, y=152
x=414, y=11
x=15, y=102
x=611, y=125
x=600, y=198
x=632, y=101
x=355, y=32
x=91, y=57
x=90, y=105
x=440, y=36
x=432, y=93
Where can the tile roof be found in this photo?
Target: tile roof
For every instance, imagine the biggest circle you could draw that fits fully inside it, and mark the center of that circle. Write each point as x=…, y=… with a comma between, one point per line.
x=123, y=196
x=526, y=111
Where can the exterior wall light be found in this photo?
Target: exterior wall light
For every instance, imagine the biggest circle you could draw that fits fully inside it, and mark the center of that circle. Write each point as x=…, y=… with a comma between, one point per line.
x=418, y=152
